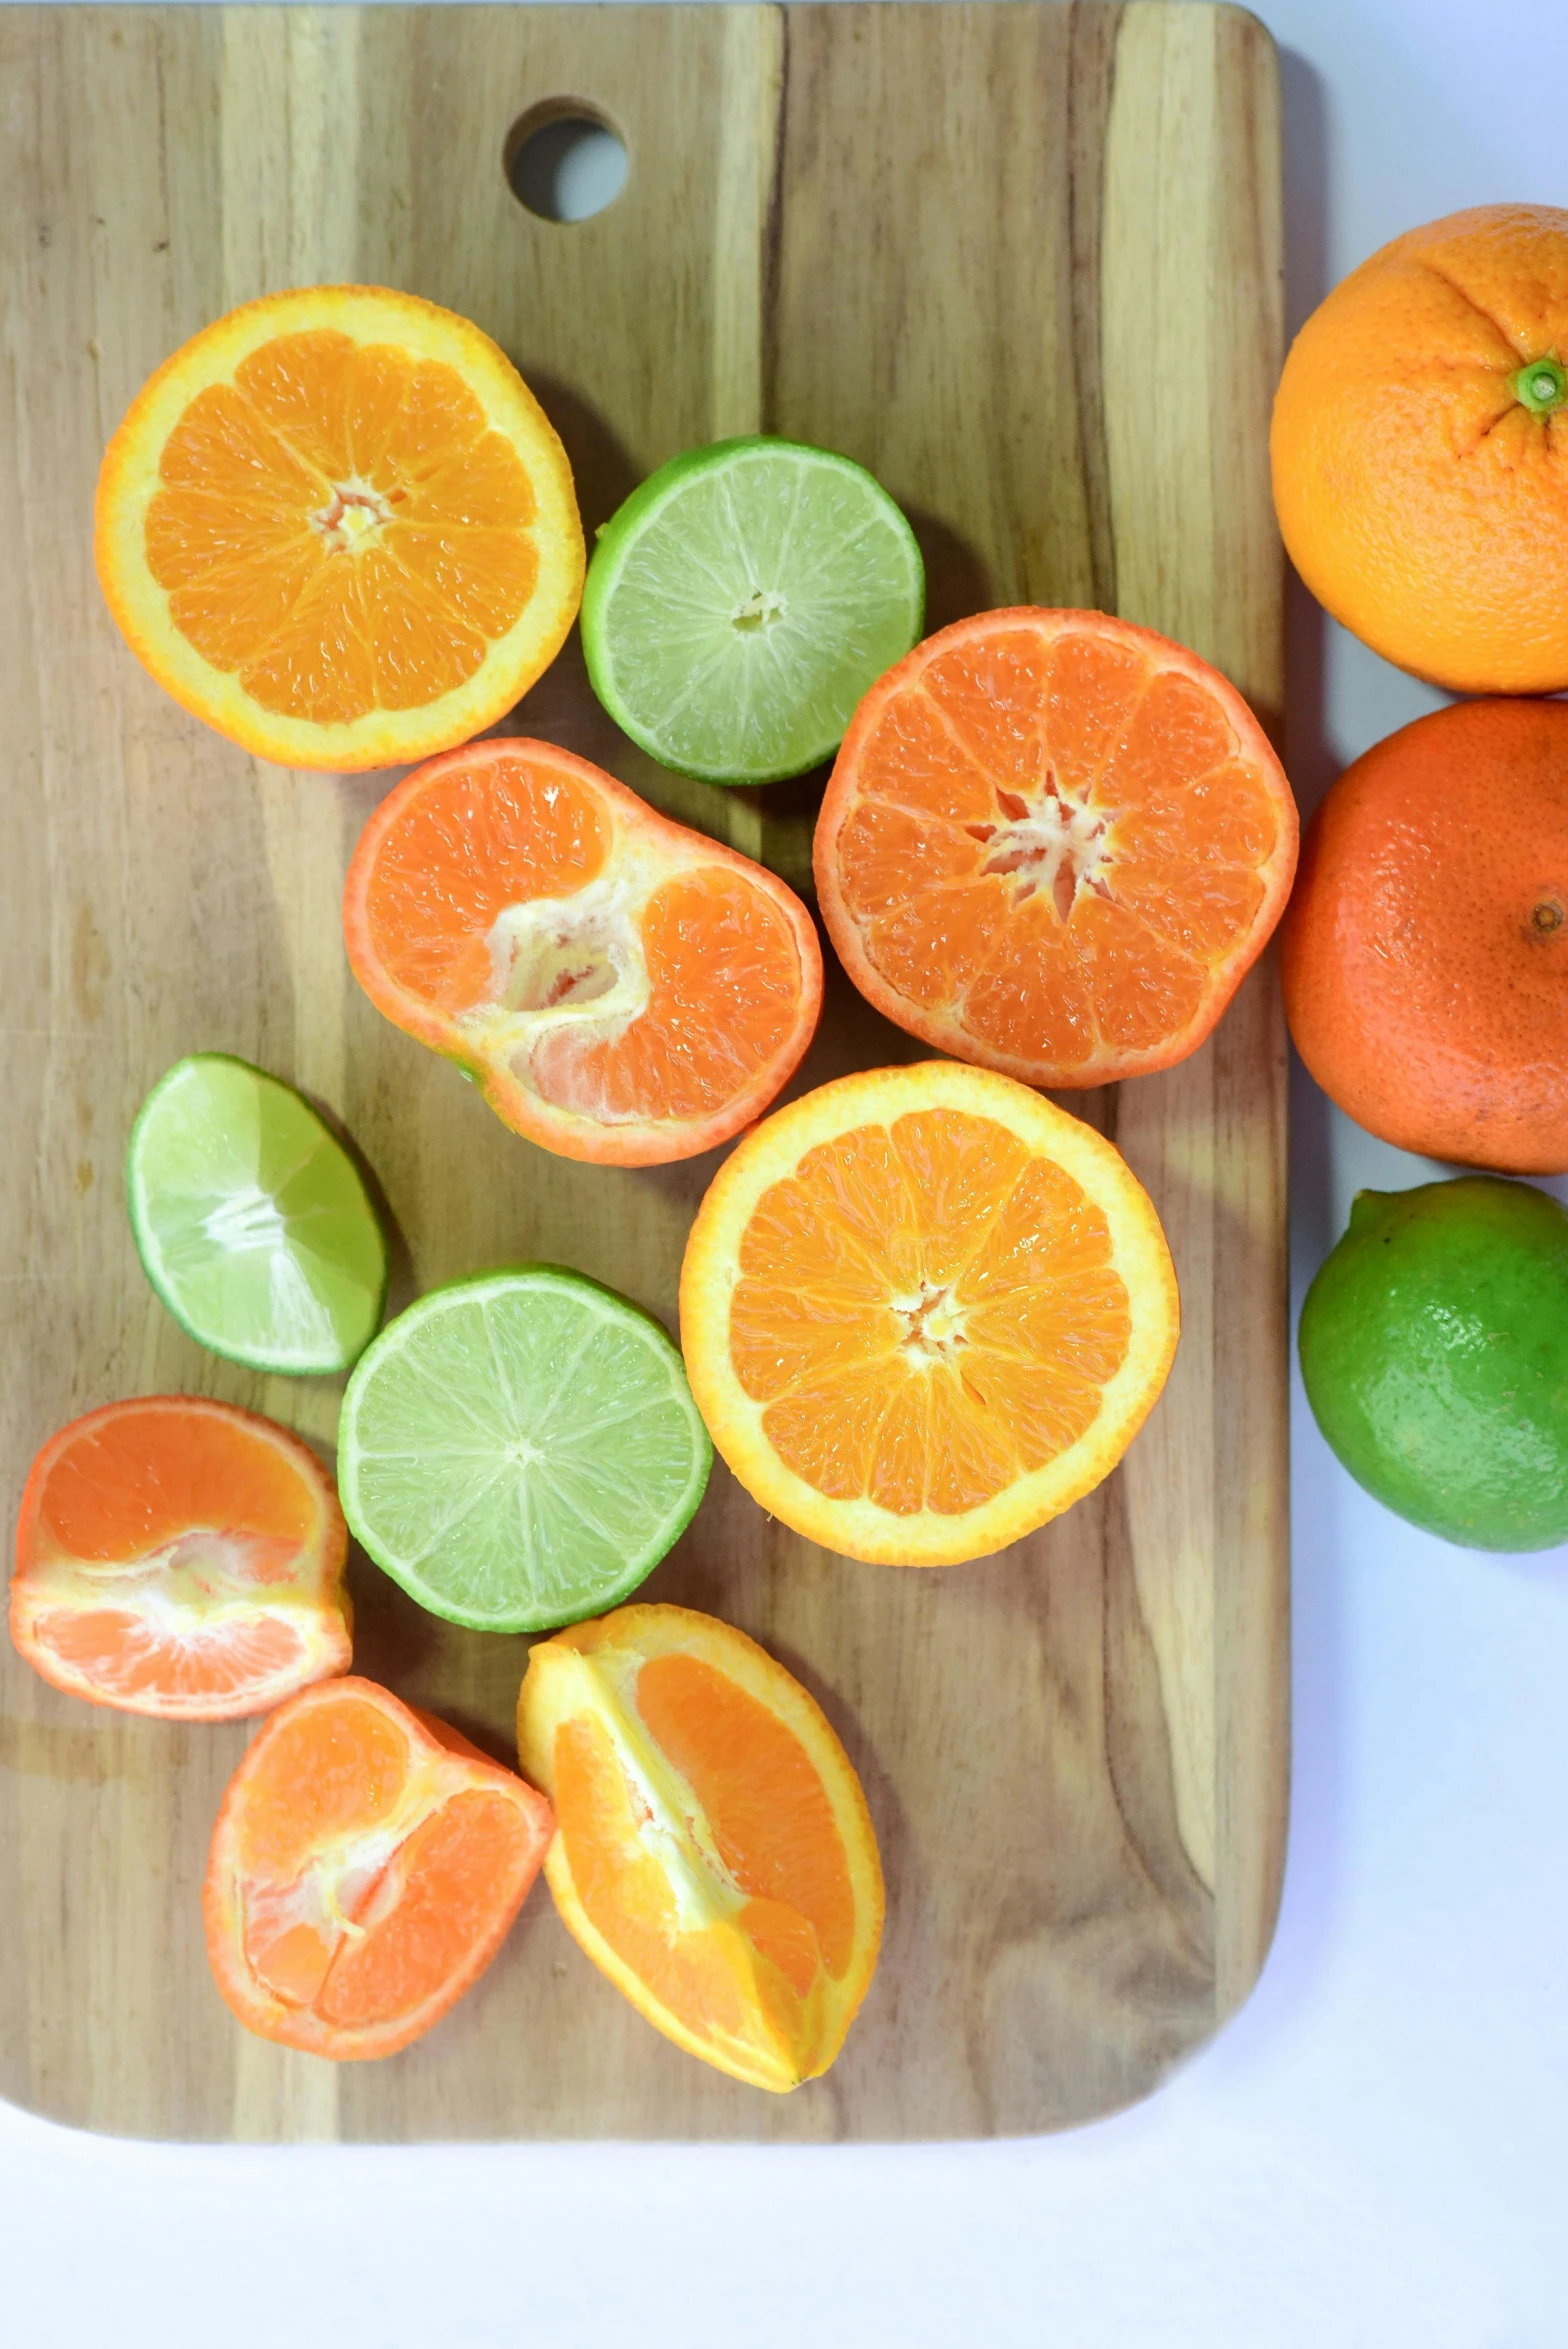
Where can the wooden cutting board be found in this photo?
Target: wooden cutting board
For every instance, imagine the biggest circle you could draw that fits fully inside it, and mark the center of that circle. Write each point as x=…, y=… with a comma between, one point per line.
x=1024, y=261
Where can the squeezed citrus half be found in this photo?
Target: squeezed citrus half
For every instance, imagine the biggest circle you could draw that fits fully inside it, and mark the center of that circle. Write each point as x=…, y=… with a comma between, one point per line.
x=338, y=526
x=624, y=989
x=180, y=1557
x=713, y=1851
x=923, y=1311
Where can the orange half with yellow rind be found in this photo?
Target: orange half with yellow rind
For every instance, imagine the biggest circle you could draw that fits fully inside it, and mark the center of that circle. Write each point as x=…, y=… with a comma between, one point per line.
x=923, y=1311
x=338, y=526
x=713, y=1853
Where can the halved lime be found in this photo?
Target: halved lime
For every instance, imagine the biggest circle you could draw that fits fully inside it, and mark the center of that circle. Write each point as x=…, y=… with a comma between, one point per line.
x=519, y=1450
x=252, y=1221
x=741, y=602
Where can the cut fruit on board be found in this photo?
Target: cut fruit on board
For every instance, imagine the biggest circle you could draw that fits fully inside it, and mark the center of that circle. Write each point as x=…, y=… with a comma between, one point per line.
x=179, y=1557
x=741, y=601
x=520, y=1449
x=714, y=1854
x=252, y=1221
x=625, y=991
x=924, y=1311
x=339, y=527
x=1054, y=844
x=366, y=1865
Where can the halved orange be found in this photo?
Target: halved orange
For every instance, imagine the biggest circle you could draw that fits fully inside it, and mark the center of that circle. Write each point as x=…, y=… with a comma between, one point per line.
x=623, y=989
x=366, y=1866
x=1054, y=843
x=180, y=1557
x=923, y=1311
x=337, y=525
x=713, y=1851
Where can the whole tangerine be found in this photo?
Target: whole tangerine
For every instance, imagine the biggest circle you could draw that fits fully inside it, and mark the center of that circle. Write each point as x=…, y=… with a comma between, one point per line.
x=1424, y=953
x=1420, y=450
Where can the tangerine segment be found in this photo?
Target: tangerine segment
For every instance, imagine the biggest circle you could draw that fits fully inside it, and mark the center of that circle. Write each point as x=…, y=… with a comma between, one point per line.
x=623, y=989
x=338, y=526
x=180, y=1557
x=923, y=1311
x=714, y=1855
x=1054, y=844
x=366, y=1865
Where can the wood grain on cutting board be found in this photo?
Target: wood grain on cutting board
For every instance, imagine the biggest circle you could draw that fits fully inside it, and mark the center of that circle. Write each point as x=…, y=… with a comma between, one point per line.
x=1022, y=260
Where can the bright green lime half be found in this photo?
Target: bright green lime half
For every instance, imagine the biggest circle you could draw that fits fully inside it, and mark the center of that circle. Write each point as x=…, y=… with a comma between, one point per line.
x=742, y=601
x=251, y=1219
x=520, y=1450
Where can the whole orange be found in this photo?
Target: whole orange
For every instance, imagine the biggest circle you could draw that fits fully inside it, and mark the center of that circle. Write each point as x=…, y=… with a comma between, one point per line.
x=1420, y=450
x=1425, y=951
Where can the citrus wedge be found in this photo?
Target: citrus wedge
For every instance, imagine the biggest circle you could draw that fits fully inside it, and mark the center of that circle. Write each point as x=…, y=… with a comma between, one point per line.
x=252, y=1221
x=713, y=1855
x=923, y=1311
x=623, y=989
x=180, y=1557
x=366, y=1865
x=1054, y=844
x=338, y=526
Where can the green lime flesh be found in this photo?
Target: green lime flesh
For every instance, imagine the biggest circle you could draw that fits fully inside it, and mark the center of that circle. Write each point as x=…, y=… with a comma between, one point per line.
x=252, y=1221
x=1434, y=1349
x=520, y=1450
x=741, y=603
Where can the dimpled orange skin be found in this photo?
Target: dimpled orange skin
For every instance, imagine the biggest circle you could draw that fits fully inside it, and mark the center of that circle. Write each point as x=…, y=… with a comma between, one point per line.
x=1423, y=504
x=1425, y=953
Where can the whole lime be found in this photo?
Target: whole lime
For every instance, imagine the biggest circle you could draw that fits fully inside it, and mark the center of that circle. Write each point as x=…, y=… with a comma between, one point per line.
x=1434, y=1347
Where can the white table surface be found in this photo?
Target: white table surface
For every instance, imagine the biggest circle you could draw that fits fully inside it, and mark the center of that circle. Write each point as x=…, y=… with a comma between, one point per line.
x=1374, y=2152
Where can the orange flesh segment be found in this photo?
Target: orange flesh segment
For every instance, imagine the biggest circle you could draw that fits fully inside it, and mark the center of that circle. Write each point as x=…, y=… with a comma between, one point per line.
x=721, y=963
x=124, y=1655
x=765, y=1806
x=133, y=1482
x=361, y=1891
x=926, y=1313
x=340, y=528
x=1055, y=842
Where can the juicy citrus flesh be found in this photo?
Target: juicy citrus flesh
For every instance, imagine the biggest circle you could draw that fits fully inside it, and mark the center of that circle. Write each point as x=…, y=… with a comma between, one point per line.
x=1421, y=496
x=366, y=1865
x=1053, y=844
x=623, y=989
x=252, y=1221
x=521, y=1449
x=1424, y=957
x=180, y=1558
x=714, y=1855
x=338, y=526
x=924, y=1311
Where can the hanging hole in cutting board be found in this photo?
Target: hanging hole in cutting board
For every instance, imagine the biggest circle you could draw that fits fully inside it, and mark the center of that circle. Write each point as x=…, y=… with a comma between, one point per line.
x=564, y=160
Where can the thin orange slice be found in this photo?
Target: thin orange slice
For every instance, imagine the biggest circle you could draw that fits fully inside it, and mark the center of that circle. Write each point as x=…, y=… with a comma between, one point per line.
x=714, y=1855
x=624, y=990
x=1054, y=844
x=923, y=1311
x=180, y=1557
x=366, y=1865
x=337, y=525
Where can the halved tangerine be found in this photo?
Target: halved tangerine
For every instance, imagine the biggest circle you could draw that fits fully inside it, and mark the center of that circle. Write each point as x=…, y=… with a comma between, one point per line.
x=366, y=1866
x=337, y=525
x=714, y=1855
x=923, y=1311
x=1054, y=843
x=623, y=989
x=180, y=1557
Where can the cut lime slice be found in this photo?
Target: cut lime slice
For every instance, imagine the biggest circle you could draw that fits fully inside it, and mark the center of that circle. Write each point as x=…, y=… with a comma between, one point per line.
x=252, y=1221
x=521, y=1449
x=741, y=602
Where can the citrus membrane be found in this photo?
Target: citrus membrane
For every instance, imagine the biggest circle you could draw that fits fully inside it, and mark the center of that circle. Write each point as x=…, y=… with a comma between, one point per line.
x=252, y=1221
x=521, y=1449
x=741, y=602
